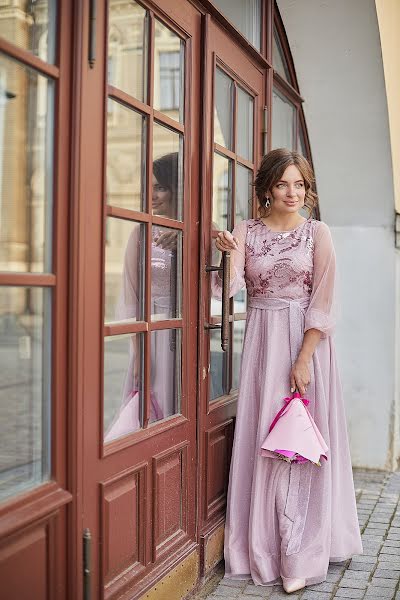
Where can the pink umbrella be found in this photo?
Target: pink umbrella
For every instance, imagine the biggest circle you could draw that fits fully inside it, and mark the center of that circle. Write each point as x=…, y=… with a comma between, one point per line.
x=293, y=435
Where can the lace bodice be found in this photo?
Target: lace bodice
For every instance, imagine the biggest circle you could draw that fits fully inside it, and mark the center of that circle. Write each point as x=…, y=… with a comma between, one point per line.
x=290, y=265
x=279, y=265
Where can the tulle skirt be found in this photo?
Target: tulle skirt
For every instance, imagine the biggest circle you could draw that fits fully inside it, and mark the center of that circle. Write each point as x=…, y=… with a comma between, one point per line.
x=287, y=519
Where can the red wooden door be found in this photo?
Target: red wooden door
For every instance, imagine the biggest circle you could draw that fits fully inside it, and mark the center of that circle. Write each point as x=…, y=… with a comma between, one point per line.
x=136, y=307
x=35, y=80
x=233, y=144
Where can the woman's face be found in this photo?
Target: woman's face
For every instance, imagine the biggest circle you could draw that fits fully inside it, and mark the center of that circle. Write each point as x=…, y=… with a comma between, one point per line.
x=288, y=194
x=162, y=198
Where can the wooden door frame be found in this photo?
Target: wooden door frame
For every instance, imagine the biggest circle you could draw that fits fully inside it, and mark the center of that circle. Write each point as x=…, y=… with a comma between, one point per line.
x=88, y=167
x=218, y=417
x=45, y=508
x=76, y=303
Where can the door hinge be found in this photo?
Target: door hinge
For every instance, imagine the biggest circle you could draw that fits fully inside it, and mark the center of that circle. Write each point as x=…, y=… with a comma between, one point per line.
x=87, y=542
x=92, y=32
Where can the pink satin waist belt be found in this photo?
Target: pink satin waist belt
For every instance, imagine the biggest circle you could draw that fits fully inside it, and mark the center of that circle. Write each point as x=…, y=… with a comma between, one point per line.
x=277, y=303
x=296, y=308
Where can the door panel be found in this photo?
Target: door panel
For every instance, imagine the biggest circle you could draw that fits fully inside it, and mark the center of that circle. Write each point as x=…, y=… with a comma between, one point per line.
x=123, y=527
x=235, y=98
x=141, y=280
x=35, y=85
x=170, y=508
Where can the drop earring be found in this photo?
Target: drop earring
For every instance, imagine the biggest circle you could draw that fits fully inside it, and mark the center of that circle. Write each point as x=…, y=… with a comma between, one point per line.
x=267, y=203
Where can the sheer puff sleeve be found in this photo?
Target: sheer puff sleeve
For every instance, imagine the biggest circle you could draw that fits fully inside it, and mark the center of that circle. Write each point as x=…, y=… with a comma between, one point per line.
x=321, y=312
x=237, y=280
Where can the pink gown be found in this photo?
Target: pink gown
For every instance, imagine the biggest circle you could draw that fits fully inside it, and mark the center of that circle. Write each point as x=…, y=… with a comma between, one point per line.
x=287, y=519
x=163, y=342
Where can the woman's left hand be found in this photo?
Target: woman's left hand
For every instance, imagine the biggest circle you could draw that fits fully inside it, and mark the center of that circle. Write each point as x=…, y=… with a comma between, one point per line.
x=300, y=376
x=167, y=240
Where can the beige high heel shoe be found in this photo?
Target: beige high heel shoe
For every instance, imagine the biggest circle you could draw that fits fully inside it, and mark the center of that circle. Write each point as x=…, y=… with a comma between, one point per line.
x=292, y=585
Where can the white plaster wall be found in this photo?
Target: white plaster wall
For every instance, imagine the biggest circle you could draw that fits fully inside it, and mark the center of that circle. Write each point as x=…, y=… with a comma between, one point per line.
x=365, y=339
x=396, y=423
x=336, y=50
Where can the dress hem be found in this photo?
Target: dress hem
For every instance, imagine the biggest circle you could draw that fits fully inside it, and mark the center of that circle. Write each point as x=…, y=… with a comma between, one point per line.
x=278, y=580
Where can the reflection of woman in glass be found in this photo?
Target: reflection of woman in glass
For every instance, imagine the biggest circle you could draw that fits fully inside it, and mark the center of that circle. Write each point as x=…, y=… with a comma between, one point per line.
x=163, y=306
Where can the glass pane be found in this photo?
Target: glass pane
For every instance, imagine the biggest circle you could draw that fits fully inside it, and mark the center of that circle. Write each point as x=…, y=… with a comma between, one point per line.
x=124, y=270
x=301, y=145
x=244, y=210
x=218, y=375
x=223, y=110
x=126, y=157
x=215, y=304
x=169, y=60
x=166, y=371
x=167, y=198
x=31, y=26
x=26, y=168
x=25, y=372
x=278, y=59
x=127, y=48
x=219, y=360
x=166, y=273
x=245, y=16
x=244, y=193
x=222, y=192
x=123, y=385
x=238, y=337
x=283, y=116
x=240, y=301
x=245, y=125
x=304, y=213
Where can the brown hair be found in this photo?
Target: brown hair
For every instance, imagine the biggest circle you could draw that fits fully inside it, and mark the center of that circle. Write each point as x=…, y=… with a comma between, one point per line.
x=165, y=169
x=271, y=169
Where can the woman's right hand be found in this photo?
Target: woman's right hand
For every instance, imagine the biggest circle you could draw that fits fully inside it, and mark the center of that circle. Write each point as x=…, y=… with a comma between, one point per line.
x=225, y=241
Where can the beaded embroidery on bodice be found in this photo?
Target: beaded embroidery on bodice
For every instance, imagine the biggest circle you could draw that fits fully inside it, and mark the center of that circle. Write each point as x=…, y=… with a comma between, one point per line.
x=279, y=264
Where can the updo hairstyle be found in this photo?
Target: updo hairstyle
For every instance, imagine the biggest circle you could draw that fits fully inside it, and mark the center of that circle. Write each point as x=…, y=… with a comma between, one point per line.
x=271, y=169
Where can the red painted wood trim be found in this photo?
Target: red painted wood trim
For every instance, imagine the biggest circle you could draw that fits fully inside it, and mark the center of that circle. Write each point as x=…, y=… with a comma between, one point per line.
x=125, y=213
x=166, y=324
x=125, y=328
x=51, y=498
x=30, y=60
x=128, y=100
x=166, y=120
x=166, y=222
x=28, y=279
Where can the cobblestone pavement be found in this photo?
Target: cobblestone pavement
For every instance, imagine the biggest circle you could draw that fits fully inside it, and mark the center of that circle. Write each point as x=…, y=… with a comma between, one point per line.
x=373, y=575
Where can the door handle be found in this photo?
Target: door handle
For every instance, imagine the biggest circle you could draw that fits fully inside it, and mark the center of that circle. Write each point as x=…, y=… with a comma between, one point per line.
x=224, y=326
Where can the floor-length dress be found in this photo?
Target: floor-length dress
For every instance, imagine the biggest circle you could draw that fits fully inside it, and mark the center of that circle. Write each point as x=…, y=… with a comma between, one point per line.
x=286, y=519
x=163, y=341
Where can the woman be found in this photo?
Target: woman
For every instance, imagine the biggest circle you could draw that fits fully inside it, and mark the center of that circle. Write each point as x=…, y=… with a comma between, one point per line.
x=286, y=520
x=163, y=395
